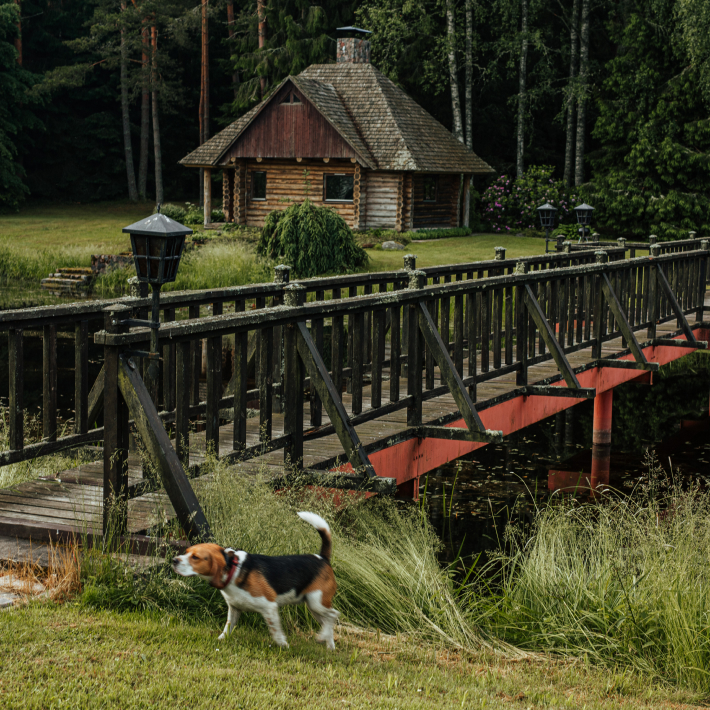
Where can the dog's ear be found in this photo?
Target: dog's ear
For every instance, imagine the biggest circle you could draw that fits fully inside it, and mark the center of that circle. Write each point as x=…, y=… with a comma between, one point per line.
x=217, y=570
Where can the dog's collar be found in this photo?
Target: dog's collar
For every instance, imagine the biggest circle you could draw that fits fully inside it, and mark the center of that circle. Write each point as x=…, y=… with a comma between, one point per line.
x=234, y=563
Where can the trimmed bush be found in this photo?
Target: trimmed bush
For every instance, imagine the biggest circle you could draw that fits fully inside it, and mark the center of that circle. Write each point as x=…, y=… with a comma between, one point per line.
x=175, y=212
x=312, y=240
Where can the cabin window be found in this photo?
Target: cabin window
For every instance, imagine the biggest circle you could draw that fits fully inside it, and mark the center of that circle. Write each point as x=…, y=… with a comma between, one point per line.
x=431, y=184
x=291, y=100
x=258, y=185
x=338, y=187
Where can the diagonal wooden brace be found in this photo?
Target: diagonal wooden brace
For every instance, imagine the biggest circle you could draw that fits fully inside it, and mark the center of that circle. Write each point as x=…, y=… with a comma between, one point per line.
x=160, y=449
x=548, y=336
x=627, y=365
x=666, y=287
x=549, y=391
x=450, y=433
x=449, y=374
x=320, y=378
x=96, y=398
x=622, y=321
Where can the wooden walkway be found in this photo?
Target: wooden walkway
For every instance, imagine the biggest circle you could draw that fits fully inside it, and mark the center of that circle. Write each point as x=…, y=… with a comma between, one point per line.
x=73, y=502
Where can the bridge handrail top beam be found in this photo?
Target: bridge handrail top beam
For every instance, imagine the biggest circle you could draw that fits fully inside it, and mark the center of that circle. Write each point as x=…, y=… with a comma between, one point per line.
x=212, y=326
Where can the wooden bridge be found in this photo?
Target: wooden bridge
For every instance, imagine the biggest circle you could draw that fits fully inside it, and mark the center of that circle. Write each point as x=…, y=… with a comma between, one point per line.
x=361, y=382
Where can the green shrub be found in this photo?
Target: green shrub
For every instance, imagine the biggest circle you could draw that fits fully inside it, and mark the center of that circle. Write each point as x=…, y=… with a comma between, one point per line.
x=312, y=240
x=439, y=233
x=175, y=212
x=194, y=214
x=218, y=215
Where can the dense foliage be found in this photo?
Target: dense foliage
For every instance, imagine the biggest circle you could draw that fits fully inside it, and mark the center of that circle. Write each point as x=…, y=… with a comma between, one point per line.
x=312, y=240
x=510, y=204
x=653, y=172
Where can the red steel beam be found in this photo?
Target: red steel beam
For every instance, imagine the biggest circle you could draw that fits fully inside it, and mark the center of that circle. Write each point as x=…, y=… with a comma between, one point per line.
x=412, y=459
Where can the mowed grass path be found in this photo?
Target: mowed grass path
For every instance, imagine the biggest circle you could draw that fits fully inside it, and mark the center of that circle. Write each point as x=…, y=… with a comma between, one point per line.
x=68, y=657
x=96, y=228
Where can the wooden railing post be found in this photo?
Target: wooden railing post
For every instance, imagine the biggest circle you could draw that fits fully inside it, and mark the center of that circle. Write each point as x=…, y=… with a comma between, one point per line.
x=17, y=386
x=49, y=383
x=214, y=386
x=282, y=276
x=500, y=253
x=183, y=372
x=168, y=366
x=702, y=278
x=599, y=320
x=521, y=328
x=653, y=294
x=417, y=279
x=410, y=264
x=195, y=360
x=294, y=296
x=81, y=377
x=115, y=511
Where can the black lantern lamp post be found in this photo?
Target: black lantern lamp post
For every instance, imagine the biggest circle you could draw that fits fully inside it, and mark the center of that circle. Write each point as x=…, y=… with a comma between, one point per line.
x=547, y=220
x=157, y=243
x=584, y=218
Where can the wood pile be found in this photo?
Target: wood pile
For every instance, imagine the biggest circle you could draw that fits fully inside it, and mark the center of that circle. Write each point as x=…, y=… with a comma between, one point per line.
x=74, y=281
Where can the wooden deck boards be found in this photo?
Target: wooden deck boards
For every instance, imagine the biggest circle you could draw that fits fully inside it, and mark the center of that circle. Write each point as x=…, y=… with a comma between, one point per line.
x=74, y=500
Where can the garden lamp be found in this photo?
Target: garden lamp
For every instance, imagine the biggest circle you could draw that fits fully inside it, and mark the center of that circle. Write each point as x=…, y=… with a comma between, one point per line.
x=157, y=243
x=584, y=217
x=547, y=219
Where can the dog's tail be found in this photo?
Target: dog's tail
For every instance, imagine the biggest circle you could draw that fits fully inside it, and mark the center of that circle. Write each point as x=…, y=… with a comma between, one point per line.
x=323, y=530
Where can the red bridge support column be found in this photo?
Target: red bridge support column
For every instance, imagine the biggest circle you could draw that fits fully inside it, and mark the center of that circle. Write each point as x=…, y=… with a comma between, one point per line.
x=601, y=438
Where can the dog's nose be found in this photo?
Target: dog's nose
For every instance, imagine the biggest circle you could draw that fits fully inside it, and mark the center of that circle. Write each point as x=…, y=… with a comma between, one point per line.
x=175, y=562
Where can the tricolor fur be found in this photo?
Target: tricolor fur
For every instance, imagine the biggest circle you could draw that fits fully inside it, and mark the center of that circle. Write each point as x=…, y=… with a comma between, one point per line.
x=263, y=584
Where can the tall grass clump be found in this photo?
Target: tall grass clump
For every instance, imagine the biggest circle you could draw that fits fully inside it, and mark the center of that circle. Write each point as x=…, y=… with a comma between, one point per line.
x=384, y=559
x=31, y=266
x=624, y=583
x=312, y=240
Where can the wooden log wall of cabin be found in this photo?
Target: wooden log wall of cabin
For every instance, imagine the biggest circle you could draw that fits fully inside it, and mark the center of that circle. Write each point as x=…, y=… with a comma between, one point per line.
x=285, y=183
x=240, y=192
x=408, y=203
x=383, y=189
x=399, y=219
x=443, y=213
x=228, y=194
x=357, y=198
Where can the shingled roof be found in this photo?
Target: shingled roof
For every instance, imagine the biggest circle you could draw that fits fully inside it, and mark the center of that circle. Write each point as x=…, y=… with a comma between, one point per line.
x=385, y=127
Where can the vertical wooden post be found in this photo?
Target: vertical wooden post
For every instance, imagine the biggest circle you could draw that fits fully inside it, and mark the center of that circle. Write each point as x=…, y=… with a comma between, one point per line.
x=466, y=200
x=417, y=279
x=378, y=355
x=395, y=352
x=214, y=386
x=317, y=335
x=702, y=278
x=241, y=348
x=168, y=365
x=293, y=383
x=282, y=275
x=115, y=510
x=336, y=348
x=49, y=383
x=653, y=293
x=81, y=376
x=195, y=360
x=207, y=194
x=521, y=328
x=17, y=381
x=599, y=310
x=266, y=375
x=183, y=371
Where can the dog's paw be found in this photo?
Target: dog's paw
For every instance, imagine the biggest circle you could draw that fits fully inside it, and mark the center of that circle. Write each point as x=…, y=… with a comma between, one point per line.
x=222, y=636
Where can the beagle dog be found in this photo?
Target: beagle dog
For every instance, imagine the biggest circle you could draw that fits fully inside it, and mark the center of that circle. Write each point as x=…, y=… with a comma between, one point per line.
x=263, y=584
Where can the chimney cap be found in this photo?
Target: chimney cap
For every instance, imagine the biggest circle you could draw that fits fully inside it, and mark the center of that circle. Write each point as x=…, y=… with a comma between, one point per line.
x=354, y=31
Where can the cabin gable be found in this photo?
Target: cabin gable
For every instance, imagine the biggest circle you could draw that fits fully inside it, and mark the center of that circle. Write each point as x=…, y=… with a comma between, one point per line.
x=289, y=126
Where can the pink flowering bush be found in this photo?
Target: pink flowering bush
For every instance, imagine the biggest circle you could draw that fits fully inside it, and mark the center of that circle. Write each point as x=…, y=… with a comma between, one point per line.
x=510, y=204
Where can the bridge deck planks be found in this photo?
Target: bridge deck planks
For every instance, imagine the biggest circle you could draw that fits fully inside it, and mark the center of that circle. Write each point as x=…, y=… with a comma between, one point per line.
x=75, y=499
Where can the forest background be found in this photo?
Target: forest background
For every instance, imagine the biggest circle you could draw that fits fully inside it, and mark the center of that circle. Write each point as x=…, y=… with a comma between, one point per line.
x=99, y=99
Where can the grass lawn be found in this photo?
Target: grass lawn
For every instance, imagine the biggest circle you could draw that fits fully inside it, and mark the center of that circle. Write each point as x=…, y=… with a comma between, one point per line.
x=69, y=657
x=96, y=228
x=479, y=247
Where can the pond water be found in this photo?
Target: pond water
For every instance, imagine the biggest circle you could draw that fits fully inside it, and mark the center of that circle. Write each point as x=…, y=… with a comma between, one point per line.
x=470, y=501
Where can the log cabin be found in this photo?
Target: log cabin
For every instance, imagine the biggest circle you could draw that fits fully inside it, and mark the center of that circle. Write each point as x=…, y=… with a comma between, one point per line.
x=344, y=136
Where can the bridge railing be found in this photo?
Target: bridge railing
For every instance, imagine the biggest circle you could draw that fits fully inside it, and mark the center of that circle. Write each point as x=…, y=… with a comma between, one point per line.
x=442, y=338
x=81, y=409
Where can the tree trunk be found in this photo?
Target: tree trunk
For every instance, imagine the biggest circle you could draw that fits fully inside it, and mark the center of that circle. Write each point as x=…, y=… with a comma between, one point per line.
x=156, y=123
x=145, y=116
x=453, y=71
x=468, y=92
x=230, y=32
x=569, y=142
x=582, y=101
x=205, y=83
x=522, y=78
x=261, y=15
x=127, y=146
x=18, y=39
